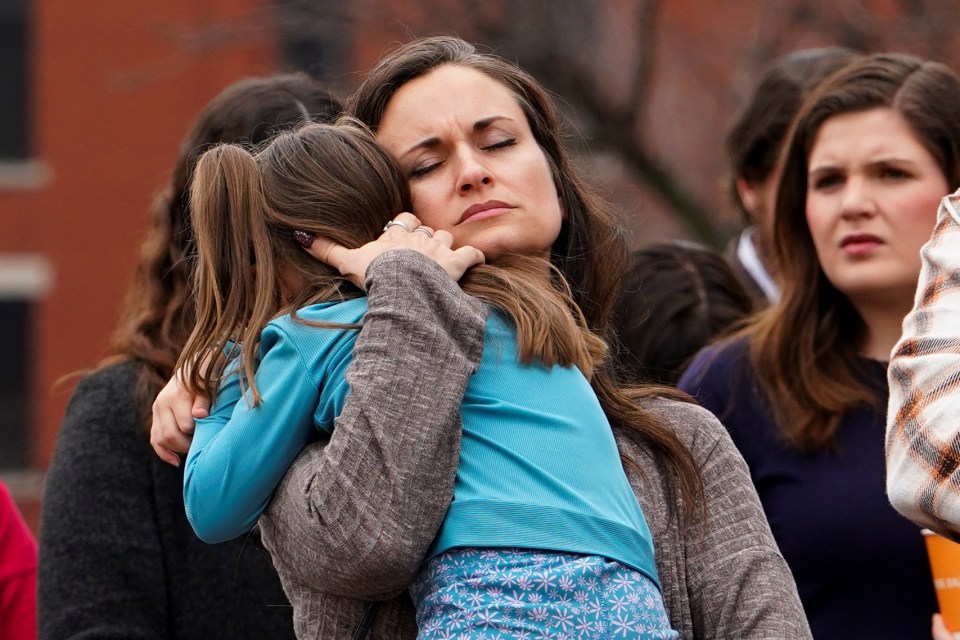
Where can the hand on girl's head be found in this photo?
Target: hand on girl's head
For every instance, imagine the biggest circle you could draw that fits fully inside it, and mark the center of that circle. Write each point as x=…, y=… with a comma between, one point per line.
x=403, y=232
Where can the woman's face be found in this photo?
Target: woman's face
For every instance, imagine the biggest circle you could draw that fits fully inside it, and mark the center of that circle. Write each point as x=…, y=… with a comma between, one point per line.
x=475, y=169
x=873, y=192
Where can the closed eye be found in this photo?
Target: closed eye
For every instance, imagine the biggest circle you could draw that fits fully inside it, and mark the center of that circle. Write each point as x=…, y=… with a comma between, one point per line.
x=509, y=142
x=422, y=170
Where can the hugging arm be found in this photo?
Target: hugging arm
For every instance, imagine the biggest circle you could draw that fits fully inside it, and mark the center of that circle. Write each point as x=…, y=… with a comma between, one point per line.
x=923, y=429
x=355, y=516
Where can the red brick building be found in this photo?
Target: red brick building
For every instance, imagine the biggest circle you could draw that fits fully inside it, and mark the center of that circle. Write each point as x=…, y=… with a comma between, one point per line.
x=111, y=88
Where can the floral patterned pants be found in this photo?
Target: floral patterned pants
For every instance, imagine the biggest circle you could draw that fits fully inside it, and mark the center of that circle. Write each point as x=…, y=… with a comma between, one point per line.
x=494, y=594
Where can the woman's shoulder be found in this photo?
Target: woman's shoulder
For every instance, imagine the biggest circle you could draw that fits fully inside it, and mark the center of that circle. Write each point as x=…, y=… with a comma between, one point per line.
x=108, y=388
x=719, y=373
x=720, y=358
x=696, y=427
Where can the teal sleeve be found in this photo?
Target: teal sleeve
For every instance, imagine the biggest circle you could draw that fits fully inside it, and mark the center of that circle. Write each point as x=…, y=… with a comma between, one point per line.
x=241, y=452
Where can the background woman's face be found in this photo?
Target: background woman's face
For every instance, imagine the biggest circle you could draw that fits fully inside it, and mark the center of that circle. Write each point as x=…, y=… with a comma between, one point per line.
x=873, y=193
x=474, y=166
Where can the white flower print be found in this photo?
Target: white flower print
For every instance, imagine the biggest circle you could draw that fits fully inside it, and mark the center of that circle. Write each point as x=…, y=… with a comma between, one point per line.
x=538, y=614
x=528, y=595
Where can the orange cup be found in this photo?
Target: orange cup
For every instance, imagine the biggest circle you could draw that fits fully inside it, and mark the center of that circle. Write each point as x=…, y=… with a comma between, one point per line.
x=944, y=557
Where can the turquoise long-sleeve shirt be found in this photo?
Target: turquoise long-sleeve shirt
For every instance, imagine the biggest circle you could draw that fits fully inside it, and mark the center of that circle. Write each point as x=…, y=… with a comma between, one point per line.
x=539, y=467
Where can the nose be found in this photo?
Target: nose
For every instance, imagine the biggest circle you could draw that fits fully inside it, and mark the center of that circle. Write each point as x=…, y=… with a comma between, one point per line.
x=857, y=200
x=473, y=172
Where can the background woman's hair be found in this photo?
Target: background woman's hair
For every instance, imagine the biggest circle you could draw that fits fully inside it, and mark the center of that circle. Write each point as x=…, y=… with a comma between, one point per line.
x=677, y=298
x=759, y=130
x=590, y=251
x=805, y=349
x=157, y=313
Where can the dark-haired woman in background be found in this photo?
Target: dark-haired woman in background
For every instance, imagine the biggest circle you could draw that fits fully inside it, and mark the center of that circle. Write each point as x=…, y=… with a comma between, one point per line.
x=754, y=143
x=118, y=558
x=677, y=298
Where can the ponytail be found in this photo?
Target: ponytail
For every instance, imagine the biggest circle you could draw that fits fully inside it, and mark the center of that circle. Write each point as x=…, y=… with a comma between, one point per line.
x=234, y=280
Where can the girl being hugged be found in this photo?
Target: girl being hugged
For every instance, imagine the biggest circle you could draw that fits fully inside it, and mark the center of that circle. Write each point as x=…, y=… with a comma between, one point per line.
x=524, y=511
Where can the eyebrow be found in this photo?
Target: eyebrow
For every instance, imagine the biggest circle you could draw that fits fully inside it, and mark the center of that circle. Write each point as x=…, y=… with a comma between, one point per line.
x=480, y=125
x=889, y=160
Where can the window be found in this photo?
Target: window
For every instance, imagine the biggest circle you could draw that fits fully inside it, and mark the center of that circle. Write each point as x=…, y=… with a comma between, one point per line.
x=23, y=279
x=14, y=112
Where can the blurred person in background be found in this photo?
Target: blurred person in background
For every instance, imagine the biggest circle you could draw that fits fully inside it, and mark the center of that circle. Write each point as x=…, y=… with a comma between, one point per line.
x=118, y=558
x=18, y=573
x=803, y=390
x=754, y=144
x=677, y=298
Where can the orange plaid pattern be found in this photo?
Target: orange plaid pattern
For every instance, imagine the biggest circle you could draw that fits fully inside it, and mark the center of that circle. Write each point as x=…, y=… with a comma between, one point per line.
x=923, y=418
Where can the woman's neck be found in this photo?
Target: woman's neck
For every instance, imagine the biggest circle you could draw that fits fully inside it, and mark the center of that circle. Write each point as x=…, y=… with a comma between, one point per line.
x=884, y=328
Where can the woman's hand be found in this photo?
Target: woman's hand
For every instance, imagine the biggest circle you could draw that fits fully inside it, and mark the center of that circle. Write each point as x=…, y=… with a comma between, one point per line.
x=174, y=412
x=939, y=630
x=403, y=232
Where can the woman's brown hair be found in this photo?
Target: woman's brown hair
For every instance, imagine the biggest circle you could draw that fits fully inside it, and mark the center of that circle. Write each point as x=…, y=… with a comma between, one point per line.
x=759, y=130
x=157, y=313
x=334, y=181
x=590, y=251
x=805, y=349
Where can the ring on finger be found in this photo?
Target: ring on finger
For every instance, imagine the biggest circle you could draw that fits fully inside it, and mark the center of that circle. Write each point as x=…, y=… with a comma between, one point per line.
x=397, y=223
x=426, y=230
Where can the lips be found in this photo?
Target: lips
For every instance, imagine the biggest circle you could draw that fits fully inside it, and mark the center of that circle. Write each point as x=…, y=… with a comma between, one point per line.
x=860, y=243
x=484, y=210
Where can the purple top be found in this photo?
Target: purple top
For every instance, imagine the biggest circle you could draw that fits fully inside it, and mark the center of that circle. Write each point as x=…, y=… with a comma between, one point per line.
x=861, y=568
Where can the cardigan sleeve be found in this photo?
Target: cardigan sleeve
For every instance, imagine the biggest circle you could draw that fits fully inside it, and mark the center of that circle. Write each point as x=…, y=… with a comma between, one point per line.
x=923, y=418
x=355, y=516
x=722, y=575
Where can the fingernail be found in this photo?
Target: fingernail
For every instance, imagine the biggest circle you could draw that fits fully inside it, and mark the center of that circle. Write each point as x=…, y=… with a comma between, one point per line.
x=303, y=238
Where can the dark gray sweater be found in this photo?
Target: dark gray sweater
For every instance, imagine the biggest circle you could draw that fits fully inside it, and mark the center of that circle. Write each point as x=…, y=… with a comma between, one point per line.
x=118, y=558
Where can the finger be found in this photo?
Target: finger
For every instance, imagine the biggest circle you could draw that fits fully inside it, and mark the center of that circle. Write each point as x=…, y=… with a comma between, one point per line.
x=327, y=251
x=471, y=256
x=425, y=230
x=939, y=629
x=443, y=237
x=461, y=260
x=172, y=438
x=183, y=423
x=167, y=456
x=171, y=429
x=406, y=222
x=200, y=409
x=165, y=447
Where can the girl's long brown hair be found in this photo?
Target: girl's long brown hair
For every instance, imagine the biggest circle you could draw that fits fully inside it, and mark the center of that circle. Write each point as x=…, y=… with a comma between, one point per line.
x=805, y=349
x=590, y=252
x=335, y=181
x=157, y=312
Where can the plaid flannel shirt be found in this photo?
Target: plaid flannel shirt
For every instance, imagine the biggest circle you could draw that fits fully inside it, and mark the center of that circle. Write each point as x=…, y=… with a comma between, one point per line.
x=923, y=420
